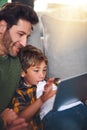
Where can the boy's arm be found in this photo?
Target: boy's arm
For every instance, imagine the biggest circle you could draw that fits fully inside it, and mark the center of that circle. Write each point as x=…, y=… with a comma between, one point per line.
x=30, y=110
x=18, y=101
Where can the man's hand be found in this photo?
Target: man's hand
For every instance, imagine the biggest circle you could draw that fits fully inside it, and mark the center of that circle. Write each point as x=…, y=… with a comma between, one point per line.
x=12, y=121
x=18, y=124
x=8, y=115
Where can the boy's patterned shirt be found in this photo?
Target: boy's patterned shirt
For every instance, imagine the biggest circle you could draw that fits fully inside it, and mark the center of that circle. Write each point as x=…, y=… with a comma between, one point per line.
x=23, y=97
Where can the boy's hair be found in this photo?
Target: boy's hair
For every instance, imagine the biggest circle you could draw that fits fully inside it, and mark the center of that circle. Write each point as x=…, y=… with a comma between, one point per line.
x=12, y=12
x=31, y=56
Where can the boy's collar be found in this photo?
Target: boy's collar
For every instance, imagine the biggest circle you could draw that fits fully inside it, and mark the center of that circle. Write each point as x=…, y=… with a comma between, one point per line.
x=29, y=86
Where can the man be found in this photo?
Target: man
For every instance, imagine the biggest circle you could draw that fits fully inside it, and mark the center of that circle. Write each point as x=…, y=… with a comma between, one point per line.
x=16, y=23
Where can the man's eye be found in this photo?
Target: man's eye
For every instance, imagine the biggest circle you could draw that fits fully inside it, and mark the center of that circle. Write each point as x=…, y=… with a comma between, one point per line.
x=21, y=34
x=28, y=36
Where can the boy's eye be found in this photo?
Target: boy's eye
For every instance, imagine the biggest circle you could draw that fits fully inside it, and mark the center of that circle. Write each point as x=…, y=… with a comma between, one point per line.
x=36, y=70
x=45, y=70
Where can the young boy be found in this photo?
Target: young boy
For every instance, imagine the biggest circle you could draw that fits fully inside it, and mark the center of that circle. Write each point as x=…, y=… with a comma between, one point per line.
x=34, y=66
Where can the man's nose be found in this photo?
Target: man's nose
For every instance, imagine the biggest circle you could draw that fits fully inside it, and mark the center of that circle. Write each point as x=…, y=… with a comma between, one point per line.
x=23, y=41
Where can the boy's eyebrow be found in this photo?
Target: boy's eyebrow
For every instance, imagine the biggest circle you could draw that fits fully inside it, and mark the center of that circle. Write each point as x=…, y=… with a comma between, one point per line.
x=39, y=67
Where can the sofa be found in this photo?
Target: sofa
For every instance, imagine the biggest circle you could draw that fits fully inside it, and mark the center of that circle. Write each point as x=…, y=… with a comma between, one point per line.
x=64, y=42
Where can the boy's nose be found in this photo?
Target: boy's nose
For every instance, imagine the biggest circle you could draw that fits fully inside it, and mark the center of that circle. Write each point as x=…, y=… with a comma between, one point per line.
x=42, y=75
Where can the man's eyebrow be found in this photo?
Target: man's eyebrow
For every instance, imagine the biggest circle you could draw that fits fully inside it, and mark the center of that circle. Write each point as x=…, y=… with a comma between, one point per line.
x=21, y=32
x=24, y=33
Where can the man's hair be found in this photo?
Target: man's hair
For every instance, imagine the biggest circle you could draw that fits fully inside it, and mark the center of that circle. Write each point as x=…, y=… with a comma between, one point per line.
x=12, y=12
x=27, y=2
x=31, y=56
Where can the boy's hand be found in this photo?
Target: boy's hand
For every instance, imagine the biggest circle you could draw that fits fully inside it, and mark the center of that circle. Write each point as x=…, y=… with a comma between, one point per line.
x=48, y=90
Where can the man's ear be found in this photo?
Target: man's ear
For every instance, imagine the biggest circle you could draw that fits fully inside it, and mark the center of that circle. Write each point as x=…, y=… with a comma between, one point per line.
x=3, y=26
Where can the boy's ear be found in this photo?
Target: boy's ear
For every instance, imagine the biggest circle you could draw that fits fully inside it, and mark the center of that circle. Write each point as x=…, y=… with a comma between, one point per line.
x=22, y=74
x=3, y=26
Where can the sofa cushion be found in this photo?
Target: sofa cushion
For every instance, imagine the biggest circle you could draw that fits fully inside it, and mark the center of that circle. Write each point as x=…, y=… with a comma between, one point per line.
x=65, y=44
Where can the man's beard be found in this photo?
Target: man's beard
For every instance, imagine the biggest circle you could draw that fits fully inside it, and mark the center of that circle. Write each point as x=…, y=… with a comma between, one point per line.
x=6, y=42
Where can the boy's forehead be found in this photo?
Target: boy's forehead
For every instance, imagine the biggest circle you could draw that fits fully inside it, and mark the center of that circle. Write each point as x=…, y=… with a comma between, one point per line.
x=39, y=64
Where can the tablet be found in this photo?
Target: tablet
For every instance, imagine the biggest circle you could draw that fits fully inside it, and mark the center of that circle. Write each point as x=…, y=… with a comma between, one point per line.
x=70, y=92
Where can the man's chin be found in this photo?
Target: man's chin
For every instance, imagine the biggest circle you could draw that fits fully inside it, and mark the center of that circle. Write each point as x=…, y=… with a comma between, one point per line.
x=13, y=54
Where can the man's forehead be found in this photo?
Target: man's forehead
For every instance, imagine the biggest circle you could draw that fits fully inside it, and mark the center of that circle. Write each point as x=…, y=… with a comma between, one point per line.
x=23, y=26
x=3, y=23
